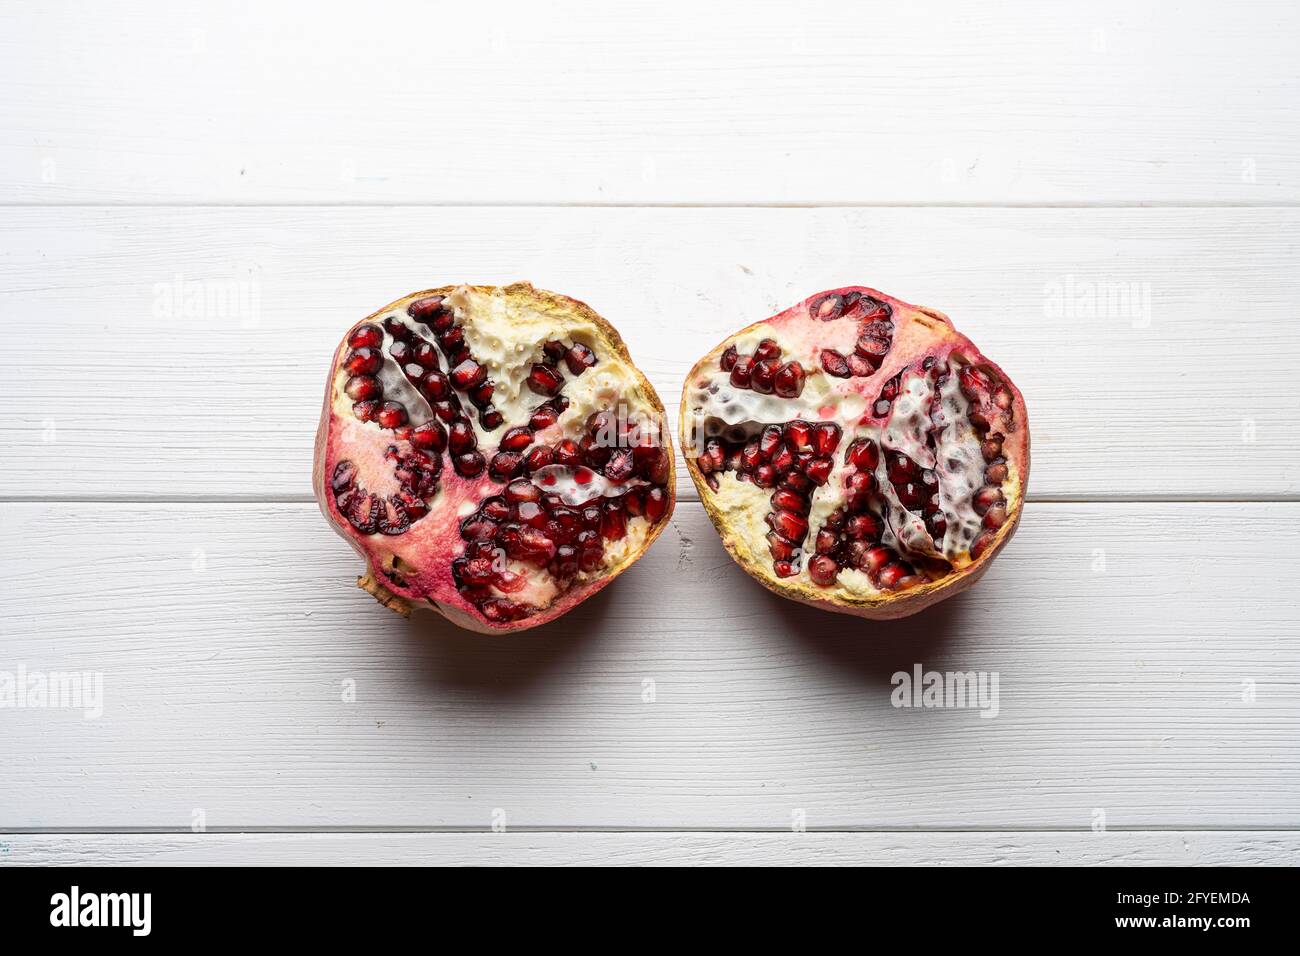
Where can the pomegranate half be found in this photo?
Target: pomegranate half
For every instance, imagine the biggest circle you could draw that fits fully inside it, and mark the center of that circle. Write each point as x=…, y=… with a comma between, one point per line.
x=857, y=453
x=492, y=453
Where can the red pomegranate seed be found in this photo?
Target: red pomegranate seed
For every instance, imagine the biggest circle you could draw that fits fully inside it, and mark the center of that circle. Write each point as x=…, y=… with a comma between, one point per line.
x=789, y=525
x=872, y=348
x=819, y=470
x=827, y=308
x=996, y=516
x=767, y=349
x=366, y=337
x=859, y=366
x=996, y=472
x=620, y=466
x=763, y=376
x=579, y=358
x=656, y=502
x=544, y=380
x=363, y=361
x=750, y=456
x=539, y=458
x=366, y=411
x=728, y=360
x=770, y=440
x=568, y=453
x=740, y=372
x=361, y=387
x=470, y=464
x=453, y=340
x=900, y=468
x=505, y=465
x=789, y=379
x=613, y=524
x=785, y=569
x=823, y=570
x=863, y=527
x=873, y=559
x=468, y=374
x=651, y=463
x=765, y=476
x=391, y=415
x=544, y=416
x=826, y=541
x=461, y=437
x=798, y=435
x=834, y=364
x=787, y=500
x=890, y=575
x=397, y=328
x=826, y=438
x=431, y=435
x=424, y=309
x=863, y=454
x=554, y=350
x=780, y=548
x=981, y=543
x=516, y=439
x=521, y=489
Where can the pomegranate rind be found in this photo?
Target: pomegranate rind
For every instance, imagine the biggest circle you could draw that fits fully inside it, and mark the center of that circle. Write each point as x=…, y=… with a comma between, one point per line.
x=918, y=329
x=378, y=579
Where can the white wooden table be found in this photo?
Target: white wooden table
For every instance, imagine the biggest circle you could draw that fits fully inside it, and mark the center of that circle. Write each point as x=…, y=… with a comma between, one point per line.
x=199, y=198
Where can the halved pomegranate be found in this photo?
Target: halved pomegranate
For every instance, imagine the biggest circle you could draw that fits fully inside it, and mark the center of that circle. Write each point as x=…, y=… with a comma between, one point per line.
x=492, y=453
x=857, y=453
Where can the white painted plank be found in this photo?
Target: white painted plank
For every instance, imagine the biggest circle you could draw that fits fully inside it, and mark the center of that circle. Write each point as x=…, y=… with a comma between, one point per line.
x=113, y=387
x=669, y=102
x=1006, y=848
x=1122, y=635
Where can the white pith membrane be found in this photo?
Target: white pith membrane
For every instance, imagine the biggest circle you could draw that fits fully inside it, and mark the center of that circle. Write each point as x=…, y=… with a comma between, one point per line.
x=928, y=421
x=505, y=334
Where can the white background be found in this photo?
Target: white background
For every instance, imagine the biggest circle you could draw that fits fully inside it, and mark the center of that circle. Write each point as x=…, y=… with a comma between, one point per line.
x=686, y=168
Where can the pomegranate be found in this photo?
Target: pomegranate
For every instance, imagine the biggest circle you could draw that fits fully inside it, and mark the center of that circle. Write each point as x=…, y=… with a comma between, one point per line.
x=492, y=453
x=857, y=453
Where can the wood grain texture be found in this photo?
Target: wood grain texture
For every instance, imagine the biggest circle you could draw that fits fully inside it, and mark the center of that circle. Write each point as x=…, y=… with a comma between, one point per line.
x=670, y=102
x=226, y=635
x=1004, y=848
x=181, y=353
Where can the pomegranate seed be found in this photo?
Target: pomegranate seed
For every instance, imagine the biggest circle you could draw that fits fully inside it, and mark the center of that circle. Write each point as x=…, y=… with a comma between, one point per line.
x=435, y=385
x=881, y=408
x=996, y=516
x=536, y=545
x=863, y=454
x=823, y=570
x=798, y=435
x=363, y=361
x=544, y=380
x=468, y=374
x=750, y=456
x=481, y=395
x=900, y=468
x=860, y=483
x=539, y=458
x=424, y=309
x=651, y=463
x=981, y=543
x=366, y=337
x=783, y=460
x=509, y=581
x=765, y=476
x=819, y=470
x=873, y=559
x=780, y=548
x=862, y=527
x=505, y=465
x=430, y=435
x=361, y=387
x=521, y=489
x=400, y=351
x=783, y=499
x=826, y=541
x=728, y=360
x=874, y=310
x=788, y=382
x=789, y=525
x=763, y=376
x=470, y=464
x=858, y=366
x=834, y=364
x=871, y=347
x=579, y=358
x=794, y=481
x=827, y=308
x=568, y=453
x=769, y=441
x=554, y=350
x=393, y=517
x=620, y=466
x=826, y=438
x=656, y=503
x=613, y=524
x=364, y=513
x=767, y=349
x=530, y=513
x=785, y=569
x=543, y=417
x=991, y=447
x=890, y=575
x=391, y=415
x=452, y=339
x=345, y=473
x=397, y=328
x=516, y=439
x=996, y=472
x=985, y=498
x=461, y=437
x=740, y=372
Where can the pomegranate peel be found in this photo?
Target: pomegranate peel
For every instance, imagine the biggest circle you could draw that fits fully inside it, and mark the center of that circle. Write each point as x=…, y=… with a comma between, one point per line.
x=492, y=454
x=884, y=475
